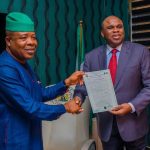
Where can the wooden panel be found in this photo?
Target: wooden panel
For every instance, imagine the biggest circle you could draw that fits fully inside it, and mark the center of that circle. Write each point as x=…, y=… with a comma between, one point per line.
x=140, y=11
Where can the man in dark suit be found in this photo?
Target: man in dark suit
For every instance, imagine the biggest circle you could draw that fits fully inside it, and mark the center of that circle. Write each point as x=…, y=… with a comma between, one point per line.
x=22, y=95
x=125, y=125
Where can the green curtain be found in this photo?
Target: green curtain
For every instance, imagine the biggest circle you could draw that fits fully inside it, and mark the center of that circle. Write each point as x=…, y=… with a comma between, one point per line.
x=56, y=22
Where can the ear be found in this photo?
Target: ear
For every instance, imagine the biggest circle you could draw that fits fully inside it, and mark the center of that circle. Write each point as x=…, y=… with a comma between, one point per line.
x=7, y=40
x=102, y=34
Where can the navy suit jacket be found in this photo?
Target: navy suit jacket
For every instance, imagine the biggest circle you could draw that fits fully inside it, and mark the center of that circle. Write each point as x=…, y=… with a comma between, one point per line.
x=22, y=107
x=132, y=85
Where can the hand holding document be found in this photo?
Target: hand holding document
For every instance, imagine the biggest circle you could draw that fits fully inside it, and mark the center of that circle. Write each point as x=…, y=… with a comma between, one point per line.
x=100, y=90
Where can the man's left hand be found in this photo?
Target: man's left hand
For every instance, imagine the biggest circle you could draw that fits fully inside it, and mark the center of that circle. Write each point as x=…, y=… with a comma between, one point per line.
x=121, y=110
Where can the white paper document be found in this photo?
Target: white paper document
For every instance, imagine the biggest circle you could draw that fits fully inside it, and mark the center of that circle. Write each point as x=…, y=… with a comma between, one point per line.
x=100, y=90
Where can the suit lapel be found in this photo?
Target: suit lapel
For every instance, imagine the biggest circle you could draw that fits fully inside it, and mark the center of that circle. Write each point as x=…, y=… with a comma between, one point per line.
x=102, y=58
x=122, y=62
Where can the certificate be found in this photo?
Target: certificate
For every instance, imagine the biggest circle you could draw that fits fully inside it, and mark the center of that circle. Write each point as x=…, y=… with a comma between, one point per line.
x=100, y=90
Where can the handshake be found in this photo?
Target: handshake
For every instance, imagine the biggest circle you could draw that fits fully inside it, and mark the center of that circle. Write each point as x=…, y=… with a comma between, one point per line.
x=74, y=106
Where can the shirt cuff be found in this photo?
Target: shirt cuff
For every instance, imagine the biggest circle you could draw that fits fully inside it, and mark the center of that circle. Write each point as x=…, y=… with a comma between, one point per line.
x=132, y=107
x=65, y=84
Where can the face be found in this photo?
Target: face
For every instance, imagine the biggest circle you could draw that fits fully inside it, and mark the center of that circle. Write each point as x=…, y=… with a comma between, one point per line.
x=113, y=31
x=21, y=45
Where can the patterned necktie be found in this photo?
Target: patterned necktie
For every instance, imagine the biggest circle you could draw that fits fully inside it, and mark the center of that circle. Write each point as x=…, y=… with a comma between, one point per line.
x=113, y=65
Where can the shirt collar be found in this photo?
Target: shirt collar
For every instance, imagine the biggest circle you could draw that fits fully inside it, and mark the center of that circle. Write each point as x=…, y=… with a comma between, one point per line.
x=109, y=48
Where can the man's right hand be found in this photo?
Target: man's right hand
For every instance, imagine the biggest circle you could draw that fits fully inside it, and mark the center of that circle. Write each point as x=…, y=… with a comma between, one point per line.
x=72, y=107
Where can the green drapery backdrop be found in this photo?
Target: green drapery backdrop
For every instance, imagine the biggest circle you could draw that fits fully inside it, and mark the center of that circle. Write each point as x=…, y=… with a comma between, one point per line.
x=56, y=23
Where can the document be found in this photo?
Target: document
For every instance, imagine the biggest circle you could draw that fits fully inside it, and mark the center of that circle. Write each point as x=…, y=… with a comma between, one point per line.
x=100, y=90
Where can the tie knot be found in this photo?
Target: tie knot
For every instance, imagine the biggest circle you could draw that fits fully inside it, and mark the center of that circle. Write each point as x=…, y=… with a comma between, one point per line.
x=114, y=51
